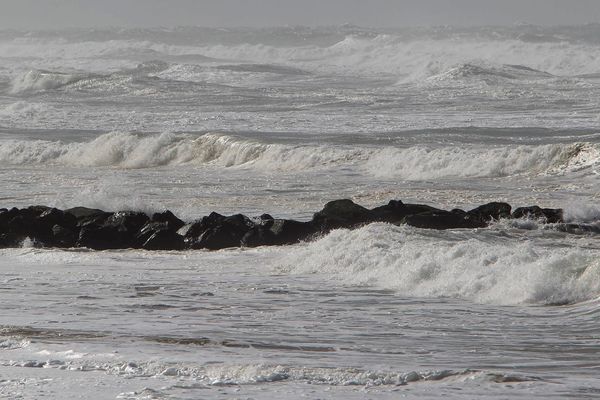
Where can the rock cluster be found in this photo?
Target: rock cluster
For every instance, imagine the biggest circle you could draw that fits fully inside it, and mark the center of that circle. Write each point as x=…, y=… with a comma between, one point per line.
x=101, y=230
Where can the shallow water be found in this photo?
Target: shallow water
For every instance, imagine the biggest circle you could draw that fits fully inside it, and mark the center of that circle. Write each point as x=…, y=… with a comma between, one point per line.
x=281, y=121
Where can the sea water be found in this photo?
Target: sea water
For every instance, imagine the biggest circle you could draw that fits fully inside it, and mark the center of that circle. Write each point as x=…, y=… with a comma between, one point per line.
x=283, y=120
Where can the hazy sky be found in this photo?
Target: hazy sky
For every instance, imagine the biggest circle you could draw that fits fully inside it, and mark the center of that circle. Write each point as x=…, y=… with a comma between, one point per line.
x=32, y=14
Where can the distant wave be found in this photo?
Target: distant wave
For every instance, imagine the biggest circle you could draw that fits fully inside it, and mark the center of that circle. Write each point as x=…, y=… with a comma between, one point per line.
x=489, y=73
x=416, y=55
x=41, y=80
x=482, y=269
x=38, y=80
x=422, y=162
x=128, y=150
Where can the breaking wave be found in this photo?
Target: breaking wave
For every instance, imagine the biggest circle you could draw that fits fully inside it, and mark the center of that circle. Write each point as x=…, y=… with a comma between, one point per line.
x=417, y=54
x=255, y=374
x=422, y=162
x=37, y=80
x=33, y=81
x=129, y=150
x=484, y=267
x=488, y=73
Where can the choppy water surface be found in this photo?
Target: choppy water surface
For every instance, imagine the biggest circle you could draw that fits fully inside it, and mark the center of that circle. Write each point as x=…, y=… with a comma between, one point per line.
x=281, y=121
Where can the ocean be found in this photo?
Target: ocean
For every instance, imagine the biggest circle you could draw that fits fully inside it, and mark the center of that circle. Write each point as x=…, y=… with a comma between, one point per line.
x=281, y=121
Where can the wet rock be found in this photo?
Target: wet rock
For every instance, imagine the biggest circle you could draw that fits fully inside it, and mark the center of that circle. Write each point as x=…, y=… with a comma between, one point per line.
x=22, y=221
x=278, y=232
x=165, y=239
x=341, y=214
x=83, y=212
x=54, y=228
x=173, y=223
x=440, y=219
x=199, y=227
x=148, y=230
x=62, y=237
x=548, y=215
x=395, y=211
x=35, y=222
x=491, y=211
x=266, y=217
x=88, y=216
x=97, y=229
x=219, y=232
x=54, y=216
x=8, y=240
x=118, y=231
x=130, y=220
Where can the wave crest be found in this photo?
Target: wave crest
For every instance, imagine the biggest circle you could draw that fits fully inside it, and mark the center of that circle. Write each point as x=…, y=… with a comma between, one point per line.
x=38, y=80
x=422, y=162
x=489, y=73
x=482, y=269
x=129, y=150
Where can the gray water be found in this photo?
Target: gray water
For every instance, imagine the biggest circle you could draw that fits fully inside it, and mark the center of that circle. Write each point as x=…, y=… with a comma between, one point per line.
x=281, y=121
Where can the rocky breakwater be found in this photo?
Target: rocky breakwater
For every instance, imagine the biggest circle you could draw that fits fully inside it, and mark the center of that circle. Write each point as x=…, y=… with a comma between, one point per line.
x=100, y=230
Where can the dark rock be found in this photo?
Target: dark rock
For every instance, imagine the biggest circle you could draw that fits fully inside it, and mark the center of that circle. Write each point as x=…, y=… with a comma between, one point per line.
x=548, y=215
x=54, y=216
x=88, y=216
x=342, y=214
x=173, y=223
x=184, y=229
x=223, y=232
x=164, y=240
x=491, y=211
x=62, y=237
x=118, y=231
x=7, y=215
x=10, y=240
x=444, y=220
x=35, y=210
x=130, y=220
x=395, y=211
x=266, y=217
x=38, y=224
x=25, y=222
x=199, y=227
x=148, y=230
x=84, y=212
x=278, y=232
x=100, y=237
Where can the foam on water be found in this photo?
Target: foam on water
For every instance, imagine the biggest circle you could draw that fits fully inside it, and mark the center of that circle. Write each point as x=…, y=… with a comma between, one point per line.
x=128, y=150
x=417, y=55
x=478, y=267
x=421, y=162
x=253, y=374
x=313, y=114
x=35, y=80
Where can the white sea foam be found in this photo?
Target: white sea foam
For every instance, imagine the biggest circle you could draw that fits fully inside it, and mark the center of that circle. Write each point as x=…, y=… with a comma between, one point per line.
x=36, y=80
x=420, y=264
x=422, y=162
x=250, y=374
x=128, y=150
x=577, y=211
x=419, y=56
x=23, y=109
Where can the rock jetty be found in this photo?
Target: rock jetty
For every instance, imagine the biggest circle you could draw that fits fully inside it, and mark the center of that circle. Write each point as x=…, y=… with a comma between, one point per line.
x=101, y=230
